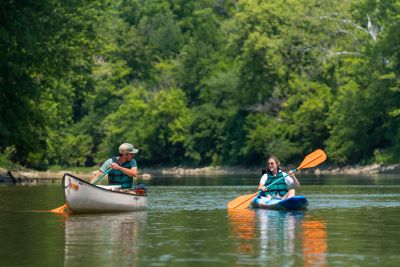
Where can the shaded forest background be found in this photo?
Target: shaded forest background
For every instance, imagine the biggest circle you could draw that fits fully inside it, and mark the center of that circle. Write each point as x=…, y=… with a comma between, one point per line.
x=213, y=82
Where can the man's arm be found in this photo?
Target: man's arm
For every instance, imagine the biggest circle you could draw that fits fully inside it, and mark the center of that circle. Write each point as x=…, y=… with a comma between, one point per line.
x=96, y=176
x=132, y=172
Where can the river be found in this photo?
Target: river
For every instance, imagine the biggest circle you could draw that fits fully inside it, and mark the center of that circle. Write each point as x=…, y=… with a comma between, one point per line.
x=350, y=221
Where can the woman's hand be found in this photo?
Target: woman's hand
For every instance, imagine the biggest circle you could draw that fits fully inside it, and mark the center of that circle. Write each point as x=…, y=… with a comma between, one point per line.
x=263, y=188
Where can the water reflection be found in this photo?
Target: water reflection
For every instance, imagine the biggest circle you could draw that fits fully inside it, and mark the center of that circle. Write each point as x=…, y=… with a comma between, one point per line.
x=266, y=235
x=103, y=239
x=243, y=224
x=315, y=245
x=278, y=231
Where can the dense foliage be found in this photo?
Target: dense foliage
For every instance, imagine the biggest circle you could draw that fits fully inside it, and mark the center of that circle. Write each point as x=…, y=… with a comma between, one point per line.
x=199, y=82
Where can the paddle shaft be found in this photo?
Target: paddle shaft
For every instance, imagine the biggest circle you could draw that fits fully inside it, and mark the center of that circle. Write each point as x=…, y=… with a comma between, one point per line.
x=101, y=176
x=307, y=163
x=311, y=160
x=293, y=170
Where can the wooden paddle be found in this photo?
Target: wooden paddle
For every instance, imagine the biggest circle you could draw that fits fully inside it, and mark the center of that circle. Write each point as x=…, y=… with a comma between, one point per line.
x=61, y=208
x=311, y=160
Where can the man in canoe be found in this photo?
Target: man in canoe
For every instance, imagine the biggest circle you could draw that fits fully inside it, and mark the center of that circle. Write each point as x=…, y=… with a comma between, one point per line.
x=123, y=168
x=282, y=189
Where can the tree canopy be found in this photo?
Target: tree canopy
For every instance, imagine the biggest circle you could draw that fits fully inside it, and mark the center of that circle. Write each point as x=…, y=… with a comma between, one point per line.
x=199, y=82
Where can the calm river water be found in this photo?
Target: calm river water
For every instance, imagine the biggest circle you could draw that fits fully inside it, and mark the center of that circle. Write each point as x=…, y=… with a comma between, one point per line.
x=351, y=221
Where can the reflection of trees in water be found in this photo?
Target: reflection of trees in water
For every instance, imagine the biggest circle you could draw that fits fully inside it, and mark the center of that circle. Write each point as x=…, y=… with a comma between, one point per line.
x=103, y=238
x=280, y=237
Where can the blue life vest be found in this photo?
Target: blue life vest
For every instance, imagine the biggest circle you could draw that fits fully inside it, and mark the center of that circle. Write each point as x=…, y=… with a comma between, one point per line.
x=280, y=187
x=117, y=177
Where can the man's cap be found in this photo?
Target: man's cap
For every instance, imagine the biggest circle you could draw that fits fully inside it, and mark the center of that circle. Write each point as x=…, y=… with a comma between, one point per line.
x=127, y=148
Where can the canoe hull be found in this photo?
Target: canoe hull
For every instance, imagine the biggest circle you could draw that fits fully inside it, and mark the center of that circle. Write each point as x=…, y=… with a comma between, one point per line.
x=83, y=197
x=293, y=203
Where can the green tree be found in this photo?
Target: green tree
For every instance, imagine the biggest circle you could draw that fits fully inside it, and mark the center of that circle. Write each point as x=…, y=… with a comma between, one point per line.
x=368, y=97
x=264, y=137
x=154, y=122
x=46, y=50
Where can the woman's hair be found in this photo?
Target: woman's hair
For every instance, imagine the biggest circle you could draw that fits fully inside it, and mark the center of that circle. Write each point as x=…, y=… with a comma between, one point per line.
x=274, y=158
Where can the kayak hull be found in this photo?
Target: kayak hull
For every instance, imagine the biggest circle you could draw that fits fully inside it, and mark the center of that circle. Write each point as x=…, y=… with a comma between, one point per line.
x=293, y=203
x=83, y=197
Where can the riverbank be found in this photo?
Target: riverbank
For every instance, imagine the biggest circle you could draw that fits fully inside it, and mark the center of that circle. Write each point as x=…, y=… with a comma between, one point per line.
x=324, y=170
x=26, y=175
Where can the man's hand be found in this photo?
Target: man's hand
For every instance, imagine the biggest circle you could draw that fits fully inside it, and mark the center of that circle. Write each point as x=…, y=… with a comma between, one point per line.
x=115, y=166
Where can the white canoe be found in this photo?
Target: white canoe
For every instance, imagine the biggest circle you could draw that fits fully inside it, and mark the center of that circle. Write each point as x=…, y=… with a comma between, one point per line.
x=83, y=197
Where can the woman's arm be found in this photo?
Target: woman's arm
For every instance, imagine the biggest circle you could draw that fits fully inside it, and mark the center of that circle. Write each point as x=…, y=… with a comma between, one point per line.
x=295, y=183
x=263, y=179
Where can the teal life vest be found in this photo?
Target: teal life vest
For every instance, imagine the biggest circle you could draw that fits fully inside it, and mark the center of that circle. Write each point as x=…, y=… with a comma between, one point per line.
x=280, y=187
x=117, y=177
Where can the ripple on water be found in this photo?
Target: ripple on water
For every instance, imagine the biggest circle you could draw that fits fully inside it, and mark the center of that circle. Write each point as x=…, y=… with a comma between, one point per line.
x=353, y=200
x=164, y=198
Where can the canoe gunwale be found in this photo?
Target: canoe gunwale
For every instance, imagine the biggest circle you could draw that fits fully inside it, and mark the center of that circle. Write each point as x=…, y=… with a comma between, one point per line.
x=96, y=187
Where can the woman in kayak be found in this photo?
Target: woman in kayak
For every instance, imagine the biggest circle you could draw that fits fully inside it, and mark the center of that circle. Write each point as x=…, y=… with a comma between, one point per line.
x=284, y=188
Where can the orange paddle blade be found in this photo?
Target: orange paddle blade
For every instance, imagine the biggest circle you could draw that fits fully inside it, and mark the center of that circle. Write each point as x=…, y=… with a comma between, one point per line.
x=241, y=202
x=60, y=209
x=313, y=159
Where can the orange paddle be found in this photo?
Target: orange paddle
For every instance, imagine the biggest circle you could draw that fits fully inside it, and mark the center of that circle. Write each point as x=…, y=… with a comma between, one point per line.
x=60, y=209
x=311, y=160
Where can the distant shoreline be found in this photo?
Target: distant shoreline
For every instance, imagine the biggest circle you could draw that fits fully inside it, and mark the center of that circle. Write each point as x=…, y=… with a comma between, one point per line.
x=18, y=176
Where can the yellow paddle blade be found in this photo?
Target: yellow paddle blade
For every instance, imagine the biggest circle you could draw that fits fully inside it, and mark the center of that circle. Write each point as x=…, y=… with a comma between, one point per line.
x=241, y=202
x=313, y=159
x=60, y=209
